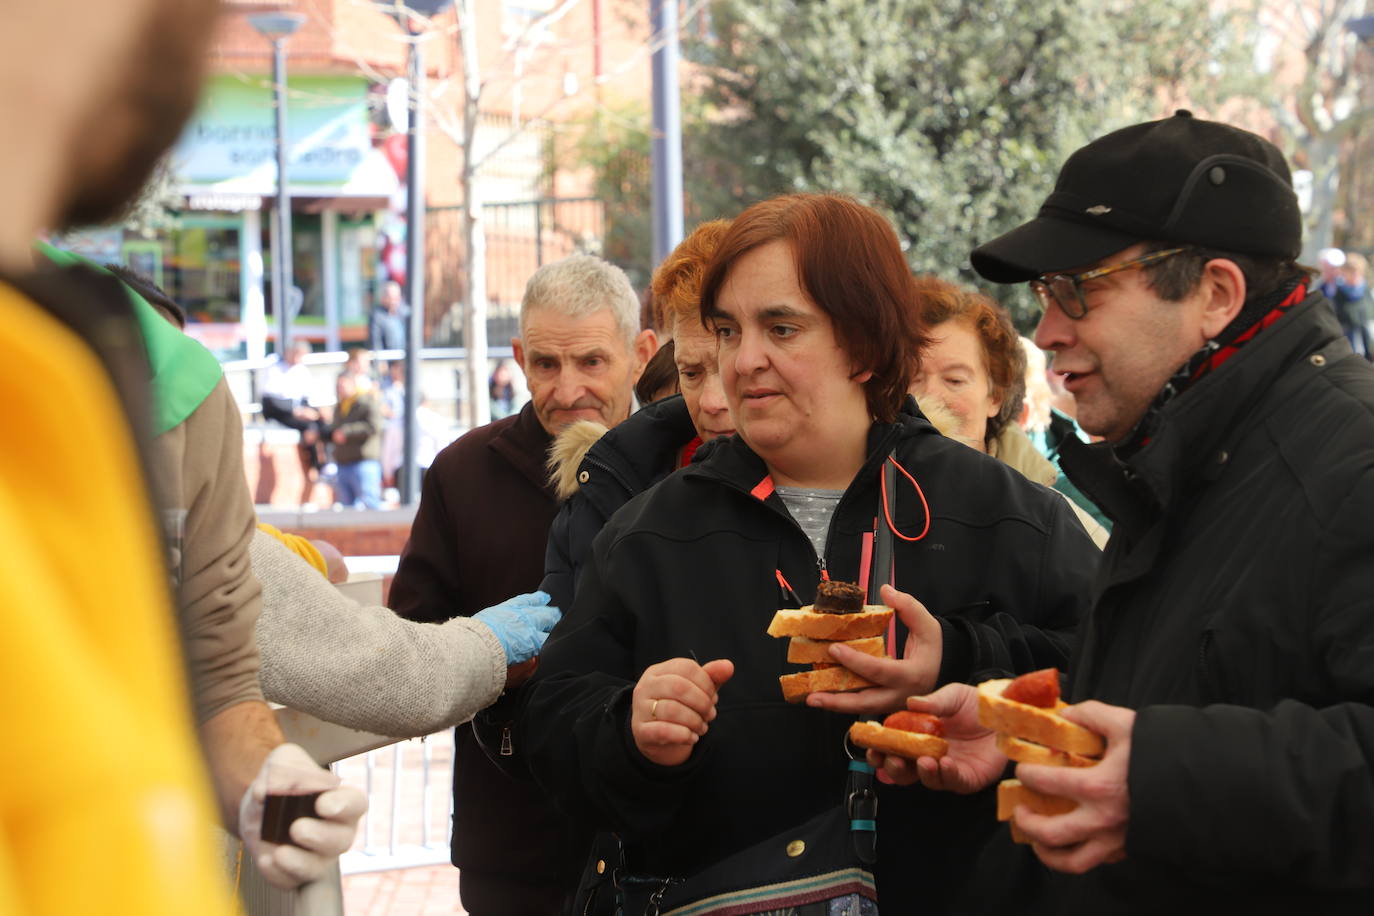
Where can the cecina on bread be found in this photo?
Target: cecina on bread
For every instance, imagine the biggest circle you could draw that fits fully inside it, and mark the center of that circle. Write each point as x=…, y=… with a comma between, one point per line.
x=896, y=741
x=871, y=621
x=801, y=650
x=796, y=686
x=1033, y=723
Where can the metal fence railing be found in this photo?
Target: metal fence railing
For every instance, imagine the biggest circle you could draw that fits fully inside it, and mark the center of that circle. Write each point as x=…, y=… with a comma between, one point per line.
x=409, y=810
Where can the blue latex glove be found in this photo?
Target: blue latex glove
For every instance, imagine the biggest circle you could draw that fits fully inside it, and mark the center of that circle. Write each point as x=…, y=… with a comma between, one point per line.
x=521, y=624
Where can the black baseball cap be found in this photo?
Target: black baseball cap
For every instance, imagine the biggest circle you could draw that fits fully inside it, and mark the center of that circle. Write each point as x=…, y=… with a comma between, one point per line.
x=1180, y=179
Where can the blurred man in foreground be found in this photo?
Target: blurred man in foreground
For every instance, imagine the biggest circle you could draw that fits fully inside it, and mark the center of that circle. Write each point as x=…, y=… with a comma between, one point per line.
x=105, y=803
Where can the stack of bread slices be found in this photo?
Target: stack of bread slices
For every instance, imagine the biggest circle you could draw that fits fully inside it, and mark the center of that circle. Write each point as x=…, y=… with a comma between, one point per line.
x=839, y=615
x=1028, y=733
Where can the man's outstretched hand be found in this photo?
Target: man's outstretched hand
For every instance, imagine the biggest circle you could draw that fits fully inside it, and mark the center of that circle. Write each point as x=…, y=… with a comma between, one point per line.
x=973, y=761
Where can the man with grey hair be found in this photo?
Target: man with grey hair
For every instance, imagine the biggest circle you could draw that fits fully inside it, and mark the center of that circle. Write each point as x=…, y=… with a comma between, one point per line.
x=479, y=537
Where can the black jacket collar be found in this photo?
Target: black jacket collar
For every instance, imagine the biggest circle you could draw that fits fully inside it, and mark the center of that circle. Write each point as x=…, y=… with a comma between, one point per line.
x=643, y=449
x=734, y=463
x=525, y=445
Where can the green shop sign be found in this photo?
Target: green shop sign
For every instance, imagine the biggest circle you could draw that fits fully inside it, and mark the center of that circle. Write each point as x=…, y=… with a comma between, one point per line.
x=230, y=143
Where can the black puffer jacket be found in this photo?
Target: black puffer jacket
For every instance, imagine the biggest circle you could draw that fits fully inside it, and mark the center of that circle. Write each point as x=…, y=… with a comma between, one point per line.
x=628, y=459
x=1237, y=617
x=688, y=568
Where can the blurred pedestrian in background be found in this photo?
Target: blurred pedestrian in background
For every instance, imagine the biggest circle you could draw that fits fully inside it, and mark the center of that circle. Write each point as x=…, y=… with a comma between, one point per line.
x=502, y=390
x=386, y=324
x=357, y=436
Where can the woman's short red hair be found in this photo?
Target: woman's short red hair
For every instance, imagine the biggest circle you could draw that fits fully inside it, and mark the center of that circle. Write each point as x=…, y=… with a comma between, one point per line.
x=850, y=264
x=676, y=283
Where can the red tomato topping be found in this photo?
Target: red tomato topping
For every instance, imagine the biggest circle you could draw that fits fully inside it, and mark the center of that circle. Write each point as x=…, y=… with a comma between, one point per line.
x=1039, y=688
x=921, y=722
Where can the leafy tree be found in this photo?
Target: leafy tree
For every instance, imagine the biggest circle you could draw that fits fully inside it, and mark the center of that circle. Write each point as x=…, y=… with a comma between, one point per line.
x=614, y=144
x=953, y=117
x=1320, y=88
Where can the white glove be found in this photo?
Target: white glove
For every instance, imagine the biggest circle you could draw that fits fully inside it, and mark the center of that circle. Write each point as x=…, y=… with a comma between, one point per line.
x=315, y=841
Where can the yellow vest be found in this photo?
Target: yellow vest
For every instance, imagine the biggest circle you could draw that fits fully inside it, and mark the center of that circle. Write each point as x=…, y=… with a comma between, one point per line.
x=104, y=802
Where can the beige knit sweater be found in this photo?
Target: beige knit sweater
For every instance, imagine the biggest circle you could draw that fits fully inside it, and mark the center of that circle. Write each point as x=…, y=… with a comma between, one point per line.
x=364, y=667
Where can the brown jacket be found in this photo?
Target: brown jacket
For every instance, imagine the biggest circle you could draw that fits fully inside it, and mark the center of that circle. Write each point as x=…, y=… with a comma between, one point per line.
x=208, y=520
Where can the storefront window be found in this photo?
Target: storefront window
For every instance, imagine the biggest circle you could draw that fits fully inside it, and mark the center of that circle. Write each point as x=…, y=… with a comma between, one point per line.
x=307, y=267
x=197, y=263
x=358, y=282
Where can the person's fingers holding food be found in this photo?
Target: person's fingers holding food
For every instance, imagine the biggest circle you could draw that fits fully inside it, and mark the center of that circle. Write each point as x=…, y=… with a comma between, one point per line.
x=891, y=769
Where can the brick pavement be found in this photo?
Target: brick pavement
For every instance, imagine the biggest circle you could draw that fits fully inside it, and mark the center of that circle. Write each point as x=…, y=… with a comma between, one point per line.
x=428, y=891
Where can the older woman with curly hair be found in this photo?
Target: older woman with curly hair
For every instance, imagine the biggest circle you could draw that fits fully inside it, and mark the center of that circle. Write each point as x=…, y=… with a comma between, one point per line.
x=974, y=366
x=971, y=382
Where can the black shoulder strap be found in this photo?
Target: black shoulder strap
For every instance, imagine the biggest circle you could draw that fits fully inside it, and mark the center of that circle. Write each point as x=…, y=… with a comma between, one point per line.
x=880, y=573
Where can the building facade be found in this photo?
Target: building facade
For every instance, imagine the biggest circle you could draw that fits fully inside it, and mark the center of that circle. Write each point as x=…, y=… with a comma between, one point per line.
x=543, y=65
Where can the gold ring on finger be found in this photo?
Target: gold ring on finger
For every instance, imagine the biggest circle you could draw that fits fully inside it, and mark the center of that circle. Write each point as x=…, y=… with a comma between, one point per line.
x=653, y=710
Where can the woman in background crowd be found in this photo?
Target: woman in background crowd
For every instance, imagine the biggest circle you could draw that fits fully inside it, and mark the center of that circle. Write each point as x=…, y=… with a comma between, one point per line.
x=972, y=382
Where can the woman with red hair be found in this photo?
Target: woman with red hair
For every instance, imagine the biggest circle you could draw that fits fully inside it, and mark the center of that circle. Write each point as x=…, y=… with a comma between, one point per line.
x=656, y=711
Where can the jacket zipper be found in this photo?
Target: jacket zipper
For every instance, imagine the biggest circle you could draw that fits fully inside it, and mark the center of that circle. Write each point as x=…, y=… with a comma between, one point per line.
x=615, y=474
x=507, y=745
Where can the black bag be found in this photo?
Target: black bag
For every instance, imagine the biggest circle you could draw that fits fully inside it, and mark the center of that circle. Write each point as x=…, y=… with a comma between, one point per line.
x=819, y=868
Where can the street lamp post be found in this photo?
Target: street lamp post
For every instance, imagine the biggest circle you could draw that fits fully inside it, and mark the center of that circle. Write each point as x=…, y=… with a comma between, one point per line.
x=1363, y=28
x=666, y=150
x=405, y=12
x=277, y=27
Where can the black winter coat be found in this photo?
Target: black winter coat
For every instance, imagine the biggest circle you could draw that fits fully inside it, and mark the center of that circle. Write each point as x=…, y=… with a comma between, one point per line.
x=478, y=538
x=1237, y=617
x=628, y=459
x=688, y=568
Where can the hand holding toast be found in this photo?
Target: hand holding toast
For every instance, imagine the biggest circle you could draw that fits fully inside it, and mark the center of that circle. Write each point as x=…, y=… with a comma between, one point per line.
x=672, y=705
x=897, y=679
x=1094, y=833
x=972, y=761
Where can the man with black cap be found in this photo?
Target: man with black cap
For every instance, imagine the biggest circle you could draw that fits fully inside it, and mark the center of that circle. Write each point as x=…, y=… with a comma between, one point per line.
x=1229, y=656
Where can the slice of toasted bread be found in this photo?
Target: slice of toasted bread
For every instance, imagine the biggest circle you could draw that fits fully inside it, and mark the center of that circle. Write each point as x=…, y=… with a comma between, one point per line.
x=1023, y=751
x=796, y=686
x=871, y=621
x=1011, y=792
x=801, y=650
x=1033, y=723
x=896, y=741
